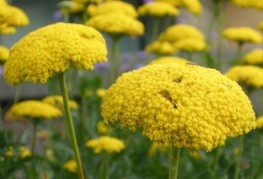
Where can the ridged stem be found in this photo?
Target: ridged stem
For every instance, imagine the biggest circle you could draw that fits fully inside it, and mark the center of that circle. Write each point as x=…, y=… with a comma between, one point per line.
x=174, y=162
x=70, y=124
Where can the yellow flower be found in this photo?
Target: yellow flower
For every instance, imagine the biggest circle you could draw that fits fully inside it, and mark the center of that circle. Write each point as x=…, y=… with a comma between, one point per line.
x=182, y=105
x=71, y=7
x=190, y=45
x=158, y=9
x=102, y=128
x=254, y=57
x=116, y=24
x=194, y=6
x=57, y=101
x=106, y=144
x=53, y=49
x=180, y=32
x=71, y=166
x=248, y=75
x=16, y=17
x=6, y=29
x=155, y=147
x=4, y=53
x=9, y=152
x=112, y=7
x=34, y=109
x=173, y=2
x=260, y=26
x=242, y=34
x=24, y=152
x=259, y=122
x=169, y=59
x=100, y=92
x=243, y=3
x=160, y=47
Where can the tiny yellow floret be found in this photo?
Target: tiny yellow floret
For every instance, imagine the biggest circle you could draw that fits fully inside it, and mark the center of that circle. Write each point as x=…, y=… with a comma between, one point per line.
x=71, y=166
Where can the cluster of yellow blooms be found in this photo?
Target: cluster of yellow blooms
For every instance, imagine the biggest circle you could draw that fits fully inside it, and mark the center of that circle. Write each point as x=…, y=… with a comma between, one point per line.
x=246, y=74
x=169, y=59
x=116, y=24
x=182, y=105
x=254, y=57
x=112, y=6
x=249, y=3
x=24, y=152
x=242, y=34
x=194, y=6
x=54, y=52
x=34, y=109
x=57, y=101
x=102, y=128
x=11, y=17
x=259, y=122
x=4, y=53
x=179, y=37
x=158, y=9
x=106, y=144
x=71, y=166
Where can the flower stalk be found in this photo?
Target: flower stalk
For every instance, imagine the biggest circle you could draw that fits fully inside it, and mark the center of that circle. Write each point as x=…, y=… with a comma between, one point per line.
x=70, y=124
x=174, y=162
x=115, y=61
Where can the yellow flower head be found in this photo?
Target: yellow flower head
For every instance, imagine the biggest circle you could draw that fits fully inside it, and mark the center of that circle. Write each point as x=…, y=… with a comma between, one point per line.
x=242, y=34
x=173, y=2
x=158, y=9
x=247, y=74
x=34, y=109
x=71, y=7
x=182, y=105
x=155, y=147
x=169, y=59
x=4, y=53
x=260, y=26
x=160, y=47
x=53, y=49
x=106, y=144
x=102, y=128
x=71, y=166
x=243, y=3
x=254, y=57
x=57, y=101
x=16, y=17
x=180, y=32
x=24, y=152
x=100, y=92
x=116, y=24
x=190, y=45
x=194, y=6
x=259, y=122
x=9, y=152
x=112, y=7
x=6, y=29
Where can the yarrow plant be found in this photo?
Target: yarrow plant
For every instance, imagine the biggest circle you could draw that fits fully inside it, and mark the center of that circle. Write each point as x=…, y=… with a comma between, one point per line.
x=160, y=100
x=68, y=45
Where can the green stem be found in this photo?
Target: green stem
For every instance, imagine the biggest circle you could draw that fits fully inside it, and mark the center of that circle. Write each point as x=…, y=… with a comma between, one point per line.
x=238, y=53
x=18, y=93
x=174, y=162
x=115, y=61
x=239, y=155
x=70, y=124
x=216, y=161
x=104, y=172
x=35, y=124
x=155, y=30
x=220, y=22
